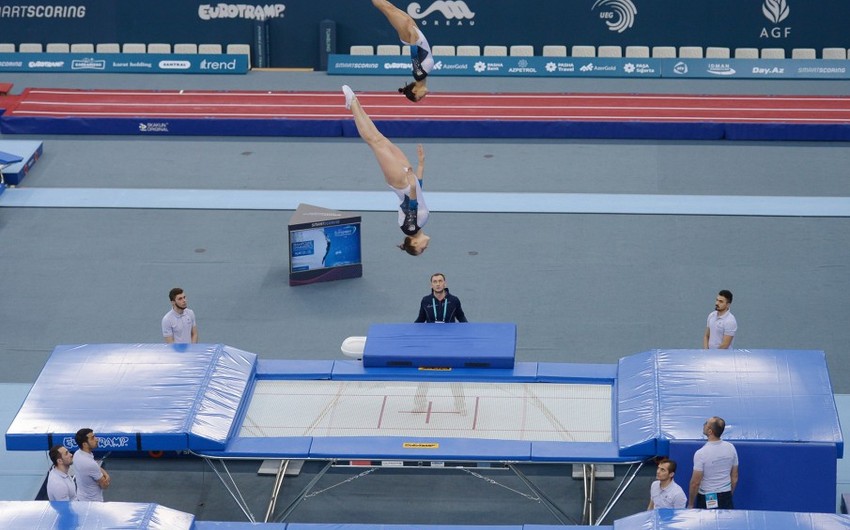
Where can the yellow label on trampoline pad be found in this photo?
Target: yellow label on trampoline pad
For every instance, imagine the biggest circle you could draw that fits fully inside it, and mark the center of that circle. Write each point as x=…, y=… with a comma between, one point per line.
x=420, y=445
x=436, y=368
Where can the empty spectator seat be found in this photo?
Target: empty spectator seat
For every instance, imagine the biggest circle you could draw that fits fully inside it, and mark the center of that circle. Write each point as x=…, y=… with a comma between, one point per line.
x=609, y=51
x=389, y=49
x=664, y=52
x=637, y=51
x=362, y=50
x=554, y=50
x=582, y=50
x=521, y=50
x=58, y=47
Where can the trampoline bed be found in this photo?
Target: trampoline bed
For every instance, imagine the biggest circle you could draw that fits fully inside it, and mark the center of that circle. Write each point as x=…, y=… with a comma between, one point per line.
x=489, y=411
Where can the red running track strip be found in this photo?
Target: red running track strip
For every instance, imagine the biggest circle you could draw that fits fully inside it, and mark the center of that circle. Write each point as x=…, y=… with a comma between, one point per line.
x=69, y=103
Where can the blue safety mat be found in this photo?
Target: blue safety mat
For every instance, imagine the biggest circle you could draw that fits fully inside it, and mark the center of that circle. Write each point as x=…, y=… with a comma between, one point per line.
x=423, y=128
x=43, y=515
x=9, y=158
x=232, y=525
x=454, y=345
x=17, y=158
x=765, y=395
x=152, y=397
x=666, y=519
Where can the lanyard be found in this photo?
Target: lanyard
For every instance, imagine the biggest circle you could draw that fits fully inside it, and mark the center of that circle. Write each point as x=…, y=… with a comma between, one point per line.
x=445, y=307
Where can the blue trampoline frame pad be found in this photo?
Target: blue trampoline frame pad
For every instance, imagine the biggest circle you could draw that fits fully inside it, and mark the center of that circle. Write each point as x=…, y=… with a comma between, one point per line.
x=481, y=345
x=194, y=397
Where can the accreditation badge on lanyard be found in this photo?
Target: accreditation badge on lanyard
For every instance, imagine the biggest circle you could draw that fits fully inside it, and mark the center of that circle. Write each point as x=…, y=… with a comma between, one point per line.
x=445, y=307
x=711, y=501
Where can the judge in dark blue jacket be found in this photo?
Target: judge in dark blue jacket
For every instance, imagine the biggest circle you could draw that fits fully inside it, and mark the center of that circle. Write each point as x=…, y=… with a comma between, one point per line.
x=440, y=306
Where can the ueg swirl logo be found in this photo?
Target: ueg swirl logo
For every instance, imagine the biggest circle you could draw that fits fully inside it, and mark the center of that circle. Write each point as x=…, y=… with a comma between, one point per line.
x=450, y=9
x=775, y=10
x=619, y=15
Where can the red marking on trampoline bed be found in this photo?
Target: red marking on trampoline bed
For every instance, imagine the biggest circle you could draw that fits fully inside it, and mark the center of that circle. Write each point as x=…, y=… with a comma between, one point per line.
x=381, y=414
x=66, y=103
x=429, y=412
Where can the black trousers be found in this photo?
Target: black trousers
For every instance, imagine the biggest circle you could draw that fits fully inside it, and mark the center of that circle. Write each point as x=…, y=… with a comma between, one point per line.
x=724, y=501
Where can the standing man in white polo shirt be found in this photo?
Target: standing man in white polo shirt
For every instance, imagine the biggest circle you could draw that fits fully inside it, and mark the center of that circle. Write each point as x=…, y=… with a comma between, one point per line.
x=664, y=492
x=179, y=325
x=60, y=483
x=721, y=325
x=715, y=474
x=91, y=478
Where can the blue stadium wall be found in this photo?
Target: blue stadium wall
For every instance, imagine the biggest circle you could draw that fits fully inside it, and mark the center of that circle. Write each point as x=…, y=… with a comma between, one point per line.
x=294, y=25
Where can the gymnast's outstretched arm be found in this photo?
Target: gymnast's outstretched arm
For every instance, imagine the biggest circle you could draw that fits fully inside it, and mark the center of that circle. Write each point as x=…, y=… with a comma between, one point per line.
x=420, y=169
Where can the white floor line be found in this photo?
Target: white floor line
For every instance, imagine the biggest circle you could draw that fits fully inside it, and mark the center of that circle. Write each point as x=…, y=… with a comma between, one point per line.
x=578, y=203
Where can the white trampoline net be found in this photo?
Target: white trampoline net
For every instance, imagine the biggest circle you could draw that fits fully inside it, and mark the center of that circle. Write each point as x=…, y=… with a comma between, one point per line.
x=499, y=411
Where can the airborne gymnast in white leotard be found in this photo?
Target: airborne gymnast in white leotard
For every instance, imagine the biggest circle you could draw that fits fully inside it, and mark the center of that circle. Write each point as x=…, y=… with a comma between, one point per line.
x=420, y=50
x=399, y=175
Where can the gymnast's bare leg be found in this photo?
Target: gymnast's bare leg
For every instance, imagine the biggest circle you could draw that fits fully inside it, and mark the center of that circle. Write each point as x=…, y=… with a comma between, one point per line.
x=398, y=174
x=404, y=25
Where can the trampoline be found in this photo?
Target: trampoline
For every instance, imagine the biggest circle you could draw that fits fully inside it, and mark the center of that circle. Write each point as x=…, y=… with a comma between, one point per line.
x=222, y=403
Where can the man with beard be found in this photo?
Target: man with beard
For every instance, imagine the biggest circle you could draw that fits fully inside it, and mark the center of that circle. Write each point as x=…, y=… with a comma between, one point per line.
x=721, y=326
x=440, y=306
x=179, y=325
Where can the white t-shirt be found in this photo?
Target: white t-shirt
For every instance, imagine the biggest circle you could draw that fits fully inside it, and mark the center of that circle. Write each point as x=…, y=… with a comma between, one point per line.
x=179, y=326
x=60, y=486
x=88, y=473
x=715, y=460
x=720, y=326
x=673, y=496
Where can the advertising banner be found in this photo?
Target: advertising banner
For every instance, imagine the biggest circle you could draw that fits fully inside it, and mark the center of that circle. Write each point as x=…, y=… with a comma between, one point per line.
x=596, y=67
x=756, y=68
x=499, y=66
x=124, y=63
